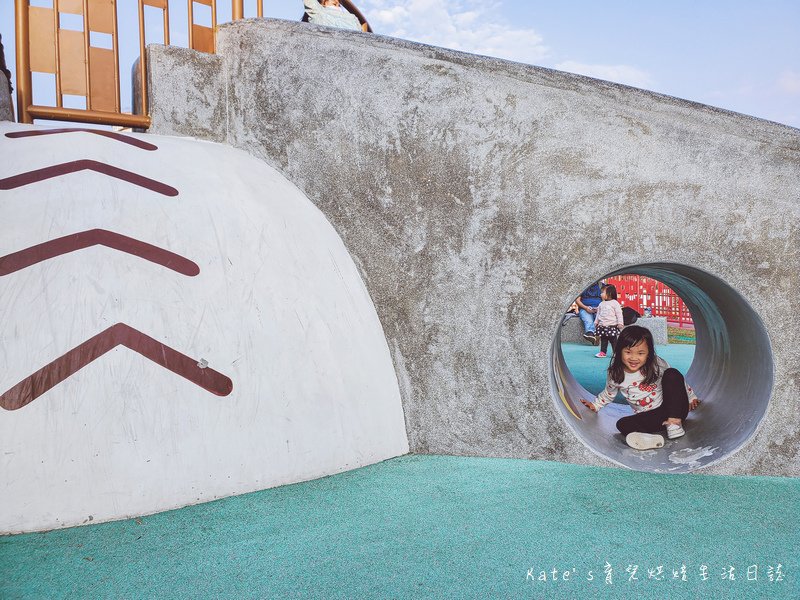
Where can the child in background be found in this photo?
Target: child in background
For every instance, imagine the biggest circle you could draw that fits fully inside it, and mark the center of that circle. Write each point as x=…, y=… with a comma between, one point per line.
x=657, y=393
x=608, y=320
x=330, y=13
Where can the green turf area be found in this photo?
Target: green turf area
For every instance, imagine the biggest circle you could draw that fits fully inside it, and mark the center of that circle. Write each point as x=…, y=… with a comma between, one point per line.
x=590, y=372
x=676, y=335
x=436, y=527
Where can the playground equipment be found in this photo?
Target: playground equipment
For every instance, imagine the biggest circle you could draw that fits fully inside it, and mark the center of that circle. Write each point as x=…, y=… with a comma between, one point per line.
x=468, y=190
x=465, y=189
x=179, y=324
x=739, y=382
x=640, y=292
x=86, y=62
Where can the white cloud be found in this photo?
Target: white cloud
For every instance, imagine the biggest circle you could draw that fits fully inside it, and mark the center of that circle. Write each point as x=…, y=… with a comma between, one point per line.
x=619, y=73
x=390, y=17
x=476, y=27
x=467, y=25
x=789, y=82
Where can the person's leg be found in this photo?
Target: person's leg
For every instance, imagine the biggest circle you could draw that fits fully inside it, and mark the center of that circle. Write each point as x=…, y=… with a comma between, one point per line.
x=588, y=321
x=603, y=343
x=649, y=421
x=676, y=400
x=674, y=405
x=588, y=326
x=613, y=339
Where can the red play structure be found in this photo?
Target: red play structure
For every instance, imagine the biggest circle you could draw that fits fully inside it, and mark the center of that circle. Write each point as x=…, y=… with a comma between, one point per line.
x=641, y=292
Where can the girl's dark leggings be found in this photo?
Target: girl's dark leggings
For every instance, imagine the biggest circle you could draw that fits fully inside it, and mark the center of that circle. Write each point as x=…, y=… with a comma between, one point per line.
x=674, y=405
x=607, y=334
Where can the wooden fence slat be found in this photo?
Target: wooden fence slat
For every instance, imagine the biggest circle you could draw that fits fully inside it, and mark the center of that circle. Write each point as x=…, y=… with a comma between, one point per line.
x=72, y=62
x=42, y=40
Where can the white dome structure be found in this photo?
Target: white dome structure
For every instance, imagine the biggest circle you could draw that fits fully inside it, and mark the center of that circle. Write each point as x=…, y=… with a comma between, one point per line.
x=179, y=323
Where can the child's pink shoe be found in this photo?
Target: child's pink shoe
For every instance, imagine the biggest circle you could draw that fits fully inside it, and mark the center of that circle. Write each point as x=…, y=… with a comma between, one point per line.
x=600, y=355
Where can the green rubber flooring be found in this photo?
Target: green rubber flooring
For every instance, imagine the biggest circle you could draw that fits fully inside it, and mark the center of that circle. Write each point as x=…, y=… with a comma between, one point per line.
x=438, y=527
x=590, y=371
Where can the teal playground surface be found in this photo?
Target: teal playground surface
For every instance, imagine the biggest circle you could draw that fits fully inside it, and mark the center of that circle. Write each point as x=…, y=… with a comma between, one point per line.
x=439, y=527
x=590, y=372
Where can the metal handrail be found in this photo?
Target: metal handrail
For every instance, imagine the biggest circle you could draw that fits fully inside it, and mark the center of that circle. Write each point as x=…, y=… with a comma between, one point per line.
x=92, y=72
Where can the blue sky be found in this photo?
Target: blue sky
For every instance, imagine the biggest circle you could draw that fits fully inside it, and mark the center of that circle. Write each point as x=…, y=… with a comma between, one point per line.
x=743, y=56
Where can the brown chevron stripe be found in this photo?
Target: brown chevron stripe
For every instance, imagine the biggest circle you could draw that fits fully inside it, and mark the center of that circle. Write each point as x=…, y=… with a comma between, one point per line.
x=119, y=137
x=15, y=181
x=40, y=382
x=22, y=259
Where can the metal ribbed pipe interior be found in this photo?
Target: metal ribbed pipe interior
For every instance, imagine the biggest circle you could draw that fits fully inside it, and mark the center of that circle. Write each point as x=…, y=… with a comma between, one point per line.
x=732, y=372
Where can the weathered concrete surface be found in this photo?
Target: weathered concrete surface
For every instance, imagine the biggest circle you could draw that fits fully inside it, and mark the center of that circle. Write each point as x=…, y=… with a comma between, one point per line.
x=199, y=83
x=6, y=106
x=469, y=191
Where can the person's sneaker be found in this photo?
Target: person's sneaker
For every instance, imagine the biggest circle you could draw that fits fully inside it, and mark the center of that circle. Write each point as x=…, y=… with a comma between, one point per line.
x=589, y=337
x=600, y=355
x=644, y=441
x=675, y=431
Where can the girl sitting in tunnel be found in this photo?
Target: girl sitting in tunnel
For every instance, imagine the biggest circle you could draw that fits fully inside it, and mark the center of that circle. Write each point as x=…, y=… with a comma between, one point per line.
x=657, y=393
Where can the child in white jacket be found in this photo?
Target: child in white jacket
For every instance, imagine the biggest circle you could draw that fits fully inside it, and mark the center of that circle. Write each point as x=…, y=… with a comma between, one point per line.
x=608, y=321
x=657, y=393
x=332, y=14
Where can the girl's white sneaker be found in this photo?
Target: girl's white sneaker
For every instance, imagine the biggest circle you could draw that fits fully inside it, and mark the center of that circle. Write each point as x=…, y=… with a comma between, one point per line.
x=644, y=441
x=675, y=431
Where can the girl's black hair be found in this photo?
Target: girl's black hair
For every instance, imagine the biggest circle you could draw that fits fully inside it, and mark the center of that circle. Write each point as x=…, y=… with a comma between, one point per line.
x=611, y=291
x=629, y=337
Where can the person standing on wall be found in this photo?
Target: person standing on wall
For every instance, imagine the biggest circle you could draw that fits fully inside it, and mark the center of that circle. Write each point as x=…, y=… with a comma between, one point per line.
x=330, y=13
x=588, y=302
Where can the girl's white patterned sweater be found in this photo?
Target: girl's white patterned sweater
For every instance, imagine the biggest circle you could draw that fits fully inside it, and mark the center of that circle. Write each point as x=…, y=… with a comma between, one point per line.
x=640, y=397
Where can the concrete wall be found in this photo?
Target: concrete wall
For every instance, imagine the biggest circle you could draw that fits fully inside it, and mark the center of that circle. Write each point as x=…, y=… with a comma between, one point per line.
x=249, y=355
x=6, y=105
x=478, y=197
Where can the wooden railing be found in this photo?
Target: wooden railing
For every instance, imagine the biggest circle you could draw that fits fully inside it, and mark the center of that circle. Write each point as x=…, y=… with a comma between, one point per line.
x=84, y=67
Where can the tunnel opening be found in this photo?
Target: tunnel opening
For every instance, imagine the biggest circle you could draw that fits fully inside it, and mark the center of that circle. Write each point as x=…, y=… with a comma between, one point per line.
x=731, y=371
x=645, y=301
